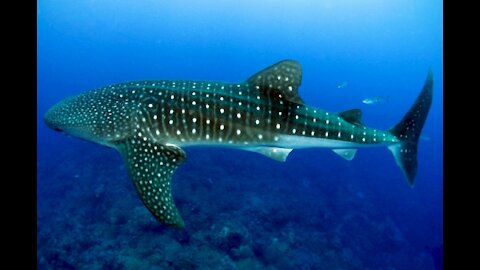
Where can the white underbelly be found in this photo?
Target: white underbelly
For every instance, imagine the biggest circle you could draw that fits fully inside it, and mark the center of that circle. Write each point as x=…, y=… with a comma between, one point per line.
x=284, y=141
x=296, y=142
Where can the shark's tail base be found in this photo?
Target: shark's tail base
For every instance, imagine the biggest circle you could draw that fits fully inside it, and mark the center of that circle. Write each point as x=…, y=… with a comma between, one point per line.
x=408, y=131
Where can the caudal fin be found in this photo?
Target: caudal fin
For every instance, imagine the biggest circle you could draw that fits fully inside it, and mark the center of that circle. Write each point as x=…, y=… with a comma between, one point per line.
x=408, y=131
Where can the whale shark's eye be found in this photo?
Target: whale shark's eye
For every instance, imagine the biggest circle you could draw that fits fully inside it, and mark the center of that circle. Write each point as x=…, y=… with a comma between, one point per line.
x=57, y=129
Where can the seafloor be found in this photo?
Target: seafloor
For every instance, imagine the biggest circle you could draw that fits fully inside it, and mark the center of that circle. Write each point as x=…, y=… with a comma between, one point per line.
x=242, y=211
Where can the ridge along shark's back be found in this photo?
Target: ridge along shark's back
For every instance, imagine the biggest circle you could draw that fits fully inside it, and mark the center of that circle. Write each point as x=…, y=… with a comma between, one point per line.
x=149, y=122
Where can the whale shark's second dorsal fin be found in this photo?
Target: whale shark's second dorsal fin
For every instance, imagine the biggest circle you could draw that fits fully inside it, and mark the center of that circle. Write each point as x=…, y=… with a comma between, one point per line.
x=353, y=116
x=280, y=80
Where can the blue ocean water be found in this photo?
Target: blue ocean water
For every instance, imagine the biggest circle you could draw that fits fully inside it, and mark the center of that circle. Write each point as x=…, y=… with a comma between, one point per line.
x=243, y=210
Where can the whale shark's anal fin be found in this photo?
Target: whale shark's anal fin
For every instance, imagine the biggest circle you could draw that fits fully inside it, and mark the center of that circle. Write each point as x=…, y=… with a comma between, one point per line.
x=347, y=154
x=151, y=167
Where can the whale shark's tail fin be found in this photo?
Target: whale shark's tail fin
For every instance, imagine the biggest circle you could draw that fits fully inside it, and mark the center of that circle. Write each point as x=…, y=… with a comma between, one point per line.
x=408, y=131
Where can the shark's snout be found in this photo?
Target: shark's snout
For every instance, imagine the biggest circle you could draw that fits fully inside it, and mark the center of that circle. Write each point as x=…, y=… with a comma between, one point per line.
x=52, y=118
x=74, y=117
x=48, y=119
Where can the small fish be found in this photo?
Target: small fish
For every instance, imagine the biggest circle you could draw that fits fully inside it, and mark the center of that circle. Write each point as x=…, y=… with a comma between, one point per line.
x=342, y=85
x=374, y=100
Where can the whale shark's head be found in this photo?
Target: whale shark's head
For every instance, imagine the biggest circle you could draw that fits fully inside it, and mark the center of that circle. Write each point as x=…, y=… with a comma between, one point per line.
x=80, y=116
x=57, y=117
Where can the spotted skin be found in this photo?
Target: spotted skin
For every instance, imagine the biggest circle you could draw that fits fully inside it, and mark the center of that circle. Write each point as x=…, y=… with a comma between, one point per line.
x=148, y=122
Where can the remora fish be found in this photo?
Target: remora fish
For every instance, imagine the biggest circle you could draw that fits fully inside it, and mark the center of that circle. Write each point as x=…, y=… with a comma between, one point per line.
x=149, y=122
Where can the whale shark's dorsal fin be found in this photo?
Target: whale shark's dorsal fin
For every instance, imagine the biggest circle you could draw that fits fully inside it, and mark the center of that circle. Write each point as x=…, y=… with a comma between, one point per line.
x=151, y=167
x=280, y=80
x=353, y=116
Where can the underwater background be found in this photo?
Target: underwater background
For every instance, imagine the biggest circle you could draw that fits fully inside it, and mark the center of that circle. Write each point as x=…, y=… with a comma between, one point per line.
x=243, y=210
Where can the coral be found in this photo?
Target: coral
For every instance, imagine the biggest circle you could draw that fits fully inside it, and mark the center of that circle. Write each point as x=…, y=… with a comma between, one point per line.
x=282, y=218
x=230, y=237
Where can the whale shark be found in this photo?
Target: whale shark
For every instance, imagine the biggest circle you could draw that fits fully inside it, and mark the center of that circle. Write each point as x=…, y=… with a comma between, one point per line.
x=150, y=123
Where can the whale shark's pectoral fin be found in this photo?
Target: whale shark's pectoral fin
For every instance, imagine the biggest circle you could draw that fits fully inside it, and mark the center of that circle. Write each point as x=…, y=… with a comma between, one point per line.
x=151, y=167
